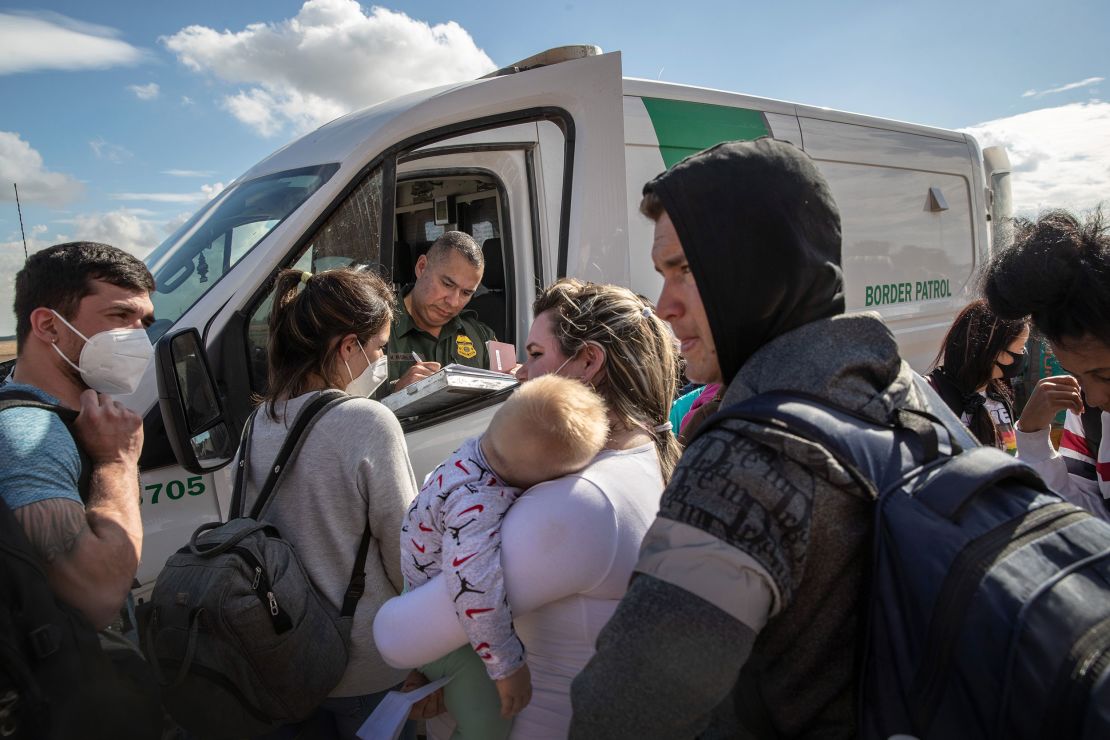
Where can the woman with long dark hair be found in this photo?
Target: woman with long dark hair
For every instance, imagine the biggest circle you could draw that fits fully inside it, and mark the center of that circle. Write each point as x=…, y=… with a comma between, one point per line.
x=979, y=358
x=1058, y=271
x=351, y=473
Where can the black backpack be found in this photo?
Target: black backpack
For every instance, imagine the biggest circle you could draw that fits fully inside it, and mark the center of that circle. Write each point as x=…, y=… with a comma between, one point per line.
x=240, y=637
x=59, y=678
x=989, y=605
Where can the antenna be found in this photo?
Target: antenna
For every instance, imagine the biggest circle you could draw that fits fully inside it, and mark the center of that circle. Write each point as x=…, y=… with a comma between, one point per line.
x=21, y=231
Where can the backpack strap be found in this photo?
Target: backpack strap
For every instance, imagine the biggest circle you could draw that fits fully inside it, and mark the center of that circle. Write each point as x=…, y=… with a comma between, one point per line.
x=876, y=455
x=881, y=457
x=11, y=399
x=356, y=587
x=814, y=420
x=967, y=474
x=242, y=471
x=291, y=444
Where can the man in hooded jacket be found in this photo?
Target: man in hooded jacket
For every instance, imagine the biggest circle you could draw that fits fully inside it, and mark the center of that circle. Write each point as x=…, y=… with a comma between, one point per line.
x=744, y=616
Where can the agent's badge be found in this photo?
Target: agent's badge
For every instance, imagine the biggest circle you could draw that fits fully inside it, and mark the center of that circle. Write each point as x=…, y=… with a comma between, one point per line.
x=464, y=347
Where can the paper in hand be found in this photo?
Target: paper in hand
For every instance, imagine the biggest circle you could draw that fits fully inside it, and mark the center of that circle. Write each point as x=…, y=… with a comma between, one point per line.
x=388, y=719
x=502, y=356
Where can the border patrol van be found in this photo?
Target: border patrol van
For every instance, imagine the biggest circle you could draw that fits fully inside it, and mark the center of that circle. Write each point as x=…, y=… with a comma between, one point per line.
x=543, y=163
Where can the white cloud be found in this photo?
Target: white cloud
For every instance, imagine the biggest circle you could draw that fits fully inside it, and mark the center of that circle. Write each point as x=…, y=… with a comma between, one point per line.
x=126, y=228
x=123, y=228
x=188, y=173
x=109, y=152
x=40, y=41
x=149, y=91
x=1063, y=88
x=186, y=100
x=131, y=229
x=206, y=193
x=1060, y=156
x=21, y=163
x=328, y=60
x=212, y=190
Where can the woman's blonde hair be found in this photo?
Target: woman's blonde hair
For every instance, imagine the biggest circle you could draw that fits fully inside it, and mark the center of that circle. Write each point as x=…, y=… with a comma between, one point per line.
x=641, y=369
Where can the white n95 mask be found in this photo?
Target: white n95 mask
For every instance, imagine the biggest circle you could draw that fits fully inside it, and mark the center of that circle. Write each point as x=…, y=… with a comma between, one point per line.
x=369, y=379
x=112, y=361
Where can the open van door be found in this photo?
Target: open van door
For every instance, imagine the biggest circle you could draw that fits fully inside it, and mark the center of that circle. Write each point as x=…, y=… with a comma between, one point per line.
x=543, y=185
x=578, y=191
x=549, y=139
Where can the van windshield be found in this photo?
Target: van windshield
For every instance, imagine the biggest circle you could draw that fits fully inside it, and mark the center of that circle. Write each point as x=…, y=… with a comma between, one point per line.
x=197, y=255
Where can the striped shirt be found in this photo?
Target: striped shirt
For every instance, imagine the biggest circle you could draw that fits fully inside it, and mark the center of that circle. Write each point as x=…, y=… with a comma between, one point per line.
x=1078, y=473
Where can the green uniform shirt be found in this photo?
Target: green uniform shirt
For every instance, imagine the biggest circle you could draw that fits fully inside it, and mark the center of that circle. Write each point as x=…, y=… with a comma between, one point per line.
x=462, y=340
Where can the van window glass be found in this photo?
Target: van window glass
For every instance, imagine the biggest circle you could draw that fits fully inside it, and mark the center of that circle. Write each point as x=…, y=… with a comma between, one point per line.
x=350, y=235
x=197, y=255
x=479, y=217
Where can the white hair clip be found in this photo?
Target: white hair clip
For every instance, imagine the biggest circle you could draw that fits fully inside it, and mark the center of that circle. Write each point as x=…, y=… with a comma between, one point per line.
x=646, y=313
x=665, y=427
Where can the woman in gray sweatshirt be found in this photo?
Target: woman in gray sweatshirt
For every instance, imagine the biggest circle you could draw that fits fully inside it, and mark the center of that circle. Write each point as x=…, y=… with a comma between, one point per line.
x=328, y=331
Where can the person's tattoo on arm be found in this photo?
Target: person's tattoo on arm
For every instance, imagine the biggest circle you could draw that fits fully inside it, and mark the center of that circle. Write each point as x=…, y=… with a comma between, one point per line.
x=53, y=526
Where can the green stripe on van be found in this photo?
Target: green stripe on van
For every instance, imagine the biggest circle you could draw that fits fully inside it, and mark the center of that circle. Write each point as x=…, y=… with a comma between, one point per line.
x=684, y=128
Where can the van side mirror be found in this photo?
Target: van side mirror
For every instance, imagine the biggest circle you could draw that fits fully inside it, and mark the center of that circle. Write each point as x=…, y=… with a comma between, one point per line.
x=194, y=420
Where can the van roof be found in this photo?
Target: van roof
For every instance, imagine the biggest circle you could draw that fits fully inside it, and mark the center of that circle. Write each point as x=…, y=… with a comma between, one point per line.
x=337, y=140
x=695, y=94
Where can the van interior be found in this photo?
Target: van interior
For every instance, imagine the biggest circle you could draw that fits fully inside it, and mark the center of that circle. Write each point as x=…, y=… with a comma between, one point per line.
x=426, y=206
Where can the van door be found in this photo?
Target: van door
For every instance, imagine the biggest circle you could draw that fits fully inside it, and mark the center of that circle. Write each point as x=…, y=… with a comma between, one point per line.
x=908, y=213
x=533, y=161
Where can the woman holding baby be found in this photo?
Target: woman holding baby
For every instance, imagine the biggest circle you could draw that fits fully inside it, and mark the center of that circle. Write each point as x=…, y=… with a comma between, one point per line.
x=569, y=544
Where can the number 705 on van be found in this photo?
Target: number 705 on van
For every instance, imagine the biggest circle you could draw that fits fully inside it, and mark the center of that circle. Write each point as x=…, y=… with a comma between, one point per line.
x=173, y=490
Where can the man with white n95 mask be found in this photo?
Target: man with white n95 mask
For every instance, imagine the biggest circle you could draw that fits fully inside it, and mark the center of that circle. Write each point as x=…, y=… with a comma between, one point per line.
x=81, y=311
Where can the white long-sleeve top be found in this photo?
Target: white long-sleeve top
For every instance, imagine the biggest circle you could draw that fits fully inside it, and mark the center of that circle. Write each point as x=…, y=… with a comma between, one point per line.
x=1076, y=472
x=568, y=550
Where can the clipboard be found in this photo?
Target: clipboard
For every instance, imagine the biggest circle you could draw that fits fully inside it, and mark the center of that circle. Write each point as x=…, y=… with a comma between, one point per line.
x=450, y=386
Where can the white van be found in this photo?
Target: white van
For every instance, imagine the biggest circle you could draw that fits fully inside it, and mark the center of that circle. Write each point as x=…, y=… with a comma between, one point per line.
x=543, y=163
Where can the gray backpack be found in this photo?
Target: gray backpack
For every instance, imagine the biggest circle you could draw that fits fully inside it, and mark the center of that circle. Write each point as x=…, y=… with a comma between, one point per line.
x=241, y=640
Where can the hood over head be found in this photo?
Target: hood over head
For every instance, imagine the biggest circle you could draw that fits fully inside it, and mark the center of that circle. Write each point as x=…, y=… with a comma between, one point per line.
x=761, y=233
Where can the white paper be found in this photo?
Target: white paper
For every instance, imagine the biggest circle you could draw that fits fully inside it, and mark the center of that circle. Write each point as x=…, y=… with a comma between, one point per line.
x=388, y=718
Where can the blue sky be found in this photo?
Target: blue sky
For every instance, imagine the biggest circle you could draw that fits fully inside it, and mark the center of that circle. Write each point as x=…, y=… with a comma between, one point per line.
x=120, y=118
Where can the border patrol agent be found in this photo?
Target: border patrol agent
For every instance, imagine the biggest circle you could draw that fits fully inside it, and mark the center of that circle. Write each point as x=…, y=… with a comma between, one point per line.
x=431, y=320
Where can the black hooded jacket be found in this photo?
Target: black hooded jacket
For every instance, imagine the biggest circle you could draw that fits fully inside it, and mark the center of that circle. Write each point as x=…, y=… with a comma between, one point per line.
x=764, y=249
x=743, y=618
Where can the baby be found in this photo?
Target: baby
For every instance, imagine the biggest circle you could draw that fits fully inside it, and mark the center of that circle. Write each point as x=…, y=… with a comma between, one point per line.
x=550, y=427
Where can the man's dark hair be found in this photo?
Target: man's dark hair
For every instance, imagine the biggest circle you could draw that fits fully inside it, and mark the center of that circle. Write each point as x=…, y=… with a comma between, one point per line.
x=460, y=242
x=1058, y=272
x=652, y=206
x=58, y=277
